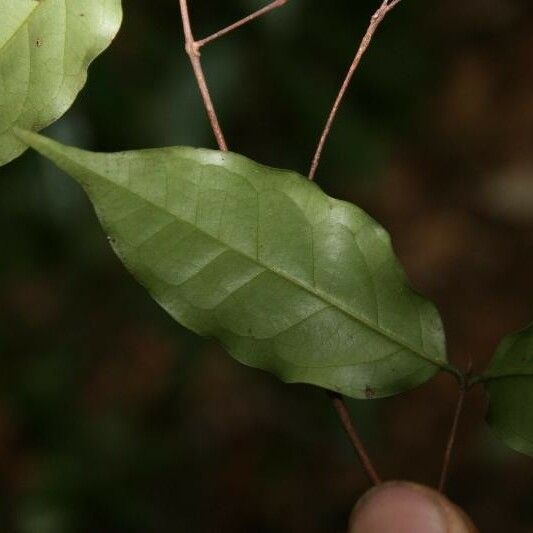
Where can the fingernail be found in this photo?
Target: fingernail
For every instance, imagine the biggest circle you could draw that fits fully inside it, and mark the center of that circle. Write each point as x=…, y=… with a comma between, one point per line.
x=399, y=508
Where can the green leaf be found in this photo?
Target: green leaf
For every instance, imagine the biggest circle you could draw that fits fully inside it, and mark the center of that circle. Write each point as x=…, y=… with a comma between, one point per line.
x=46, y=47
x=288, y=279
x=509, y=382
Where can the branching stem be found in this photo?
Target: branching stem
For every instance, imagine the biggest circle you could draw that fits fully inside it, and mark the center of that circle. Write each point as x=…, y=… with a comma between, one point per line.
x=375, y=21
x=193, y=51
x=192, y=47
x=347, y=423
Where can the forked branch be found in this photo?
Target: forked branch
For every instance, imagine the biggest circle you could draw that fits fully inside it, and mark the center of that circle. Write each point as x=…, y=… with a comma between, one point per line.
x=375, y=21
x=193, y=51
x=192, y=48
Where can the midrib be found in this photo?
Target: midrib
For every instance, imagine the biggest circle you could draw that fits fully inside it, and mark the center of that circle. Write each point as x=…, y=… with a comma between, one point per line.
x=21, y=25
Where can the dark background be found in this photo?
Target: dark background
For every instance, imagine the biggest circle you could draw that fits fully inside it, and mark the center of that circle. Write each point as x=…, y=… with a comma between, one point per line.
x=113, y=418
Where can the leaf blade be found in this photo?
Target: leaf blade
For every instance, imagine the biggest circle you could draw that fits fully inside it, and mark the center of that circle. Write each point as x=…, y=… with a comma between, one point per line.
x=287, y=278
x=509, y=383
x=46, y=47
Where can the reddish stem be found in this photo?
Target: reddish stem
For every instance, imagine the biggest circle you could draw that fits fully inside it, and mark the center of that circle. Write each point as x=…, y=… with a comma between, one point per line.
x=192, y=49
x=256, y=14
x=347, y=423
x=375, y=21
x=455, y=424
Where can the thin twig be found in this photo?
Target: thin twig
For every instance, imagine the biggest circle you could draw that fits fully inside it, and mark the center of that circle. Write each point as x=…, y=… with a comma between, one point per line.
x=256, y=14
x=375, y=21
x=453, y=431
x=192, y=49
x=347, y=423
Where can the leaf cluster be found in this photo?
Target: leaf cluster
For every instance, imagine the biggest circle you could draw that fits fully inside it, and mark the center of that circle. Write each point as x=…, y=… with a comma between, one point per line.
x=288, y=279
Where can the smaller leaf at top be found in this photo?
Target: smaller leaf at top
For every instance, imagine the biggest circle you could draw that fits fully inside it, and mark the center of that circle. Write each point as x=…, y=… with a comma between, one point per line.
x=46, y=47
x=509, y=382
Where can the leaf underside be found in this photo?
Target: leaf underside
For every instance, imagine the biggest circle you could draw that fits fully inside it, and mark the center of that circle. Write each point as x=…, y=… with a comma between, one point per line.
x=46, y=47
x=288, y=279
x=509, y=382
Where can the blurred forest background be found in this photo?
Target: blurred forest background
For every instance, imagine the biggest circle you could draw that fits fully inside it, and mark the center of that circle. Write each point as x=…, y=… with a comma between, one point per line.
x=115, y=419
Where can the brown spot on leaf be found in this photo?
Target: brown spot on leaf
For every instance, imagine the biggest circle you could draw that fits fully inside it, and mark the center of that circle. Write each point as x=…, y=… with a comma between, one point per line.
x=370, y=393
x=38, y=43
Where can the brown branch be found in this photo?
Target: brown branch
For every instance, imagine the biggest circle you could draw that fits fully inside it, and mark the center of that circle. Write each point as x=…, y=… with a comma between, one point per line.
x=256, y=14
x=453, y=430
x=347, y=423
x=192, y=49
x=375, y=21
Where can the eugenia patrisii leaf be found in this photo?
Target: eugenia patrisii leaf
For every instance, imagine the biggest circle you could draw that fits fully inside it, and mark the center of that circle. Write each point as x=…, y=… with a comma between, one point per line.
x=288, y=279
x=509, y=382
x=46, y=47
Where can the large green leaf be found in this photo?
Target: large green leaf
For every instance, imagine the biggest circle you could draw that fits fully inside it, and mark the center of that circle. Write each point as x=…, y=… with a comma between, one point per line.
x=46, y=47
x=509, y=382
x=288, y=279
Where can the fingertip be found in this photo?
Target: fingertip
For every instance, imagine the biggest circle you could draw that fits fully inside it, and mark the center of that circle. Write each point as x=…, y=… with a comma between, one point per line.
x=402, y=507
